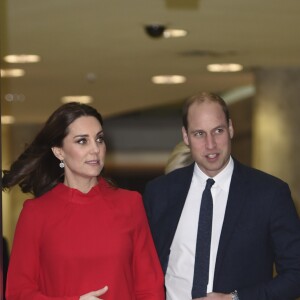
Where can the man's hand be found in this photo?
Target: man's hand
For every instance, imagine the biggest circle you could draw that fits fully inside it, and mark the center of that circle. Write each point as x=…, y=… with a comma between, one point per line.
x=94, y=295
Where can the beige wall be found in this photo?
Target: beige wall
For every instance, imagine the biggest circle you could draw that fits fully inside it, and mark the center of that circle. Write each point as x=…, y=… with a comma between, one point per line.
x=242, y=115
x=276, y=124
x=265, y=137
x=12, y=201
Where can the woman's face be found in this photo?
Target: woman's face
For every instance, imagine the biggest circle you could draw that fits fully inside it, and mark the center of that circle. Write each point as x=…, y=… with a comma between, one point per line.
x=83, y=152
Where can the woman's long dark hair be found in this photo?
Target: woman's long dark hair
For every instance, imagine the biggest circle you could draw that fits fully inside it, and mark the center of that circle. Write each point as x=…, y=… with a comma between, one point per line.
x=37, y=170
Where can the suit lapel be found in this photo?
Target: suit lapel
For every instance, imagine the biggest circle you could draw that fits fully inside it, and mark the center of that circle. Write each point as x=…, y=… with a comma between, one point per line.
x=177, y=193
x=236, y=197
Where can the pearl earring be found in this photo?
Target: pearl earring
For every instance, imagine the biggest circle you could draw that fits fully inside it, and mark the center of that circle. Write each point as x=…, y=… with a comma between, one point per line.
x=61, y=164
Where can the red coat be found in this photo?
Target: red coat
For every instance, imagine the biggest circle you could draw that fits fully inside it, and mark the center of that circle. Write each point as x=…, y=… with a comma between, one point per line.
x=68, y=244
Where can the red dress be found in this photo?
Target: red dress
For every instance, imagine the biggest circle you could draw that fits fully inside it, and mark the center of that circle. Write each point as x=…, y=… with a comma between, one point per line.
x=68, y=243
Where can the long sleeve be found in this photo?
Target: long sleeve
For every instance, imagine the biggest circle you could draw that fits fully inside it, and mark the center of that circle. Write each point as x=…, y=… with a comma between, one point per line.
x=24, y=266
x=261, y=228
x=68, y=244
x=285, y=240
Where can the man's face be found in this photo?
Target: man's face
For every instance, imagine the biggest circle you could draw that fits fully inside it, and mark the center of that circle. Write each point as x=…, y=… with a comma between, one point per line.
x=208, y=136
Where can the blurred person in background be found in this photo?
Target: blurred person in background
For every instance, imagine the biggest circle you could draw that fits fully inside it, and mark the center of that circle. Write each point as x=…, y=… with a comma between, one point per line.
x=179, y=157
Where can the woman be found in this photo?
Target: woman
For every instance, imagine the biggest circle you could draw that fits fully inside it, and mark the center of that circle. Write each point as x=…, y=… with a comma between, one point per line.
x=80, y=237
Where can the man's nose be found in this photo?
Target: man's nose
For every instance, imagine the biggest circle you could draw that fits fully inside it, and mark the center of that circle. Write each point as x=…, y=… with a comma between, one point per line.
x=210, y=141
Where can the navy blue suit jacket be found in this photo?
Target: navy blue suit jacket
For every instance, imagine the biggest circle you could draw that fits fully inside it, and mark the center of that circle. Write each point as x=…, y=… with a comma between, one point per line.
x=261, y=227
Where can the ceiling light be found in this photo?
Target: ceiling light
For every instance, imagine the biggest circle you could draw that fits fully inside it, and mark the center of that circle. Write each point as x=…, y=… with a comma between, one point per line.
x=159, y=30
x=174, y=33
x=14, y=97
x=5, y=120
x=12, y=72
x=81, y=99
x=22, y=58
x=168, y=79
x=224, y=67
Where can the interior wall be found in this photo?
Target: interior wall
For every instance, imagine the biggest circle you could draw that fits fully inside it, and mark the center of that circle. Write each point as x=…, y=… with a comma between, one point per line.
x=1, y=244
x=242, y=117
x=3, y=261
x=276, y=125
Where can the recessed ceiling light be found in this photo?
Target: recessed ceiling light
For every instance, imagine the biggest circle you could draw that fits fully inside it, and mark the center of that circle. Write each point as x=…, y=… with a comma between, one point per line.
x=12, y=72
x=22, y=58
x=14, y=97
x=168, y=79
x=224, y=67
x=79, y=98
x=7, y=120
x=174, y=33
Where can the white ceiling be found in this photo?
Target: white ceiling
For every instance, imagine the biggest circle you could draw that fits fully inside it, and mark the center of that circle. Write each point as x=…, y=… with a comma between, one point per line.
x=106, y=38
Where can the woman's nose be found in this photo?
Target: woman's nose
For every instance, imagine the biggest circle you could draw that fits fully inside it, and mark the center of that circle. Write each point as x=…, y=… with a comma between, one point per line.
x=95, y=147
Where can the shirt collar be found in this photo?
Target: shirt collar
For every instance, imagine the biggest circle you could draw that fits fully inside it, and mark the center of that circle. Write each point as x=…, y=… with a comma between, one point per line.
x=222, y=179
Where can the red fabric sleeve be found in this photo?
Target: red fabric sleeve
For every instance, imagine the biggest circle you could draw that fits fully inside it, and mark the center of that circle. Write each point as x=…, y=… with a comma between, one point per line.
x=22, y=278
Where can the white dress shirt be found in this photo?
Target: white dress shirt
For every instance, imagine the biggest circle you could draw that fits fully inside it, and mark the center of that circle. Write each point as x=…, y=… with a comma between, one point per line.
x=180, y=271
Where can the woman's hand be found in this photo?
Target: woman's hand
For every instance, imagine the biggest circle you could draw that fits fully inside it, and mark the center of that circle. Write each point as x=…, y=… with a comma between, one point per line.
x=94, y=295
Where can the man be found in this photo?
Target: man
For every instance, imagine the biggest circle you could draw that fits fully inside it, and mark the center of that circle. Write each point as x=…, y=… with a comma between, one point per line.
x=254, y=223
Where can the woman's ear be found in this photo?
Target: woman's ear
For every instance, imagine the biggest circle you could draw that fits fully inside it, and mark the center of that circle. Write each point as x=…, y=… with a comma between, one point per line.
x=57, y=152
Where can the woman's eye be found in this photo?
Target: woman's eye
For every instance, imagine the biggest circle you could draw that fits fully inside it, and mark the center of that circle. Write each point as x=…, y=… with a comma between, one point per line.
x=100, y=139
x=81, y=141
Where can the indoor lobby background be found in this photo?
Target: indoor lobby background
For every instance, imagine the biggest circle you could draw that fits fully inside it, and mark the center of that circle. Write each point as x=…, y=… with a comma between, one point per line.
x=111, y=52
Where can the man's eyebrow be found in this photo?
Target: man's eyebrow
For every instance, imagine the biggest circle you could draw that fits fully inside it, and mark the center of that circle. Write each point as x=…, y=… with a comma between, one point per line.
x=216, y=127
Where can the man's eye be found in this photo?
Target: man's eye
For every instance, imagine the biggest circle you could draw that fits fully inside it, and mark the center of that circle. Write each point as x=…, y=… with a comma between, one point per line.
x=198, y=133
x=219, y=130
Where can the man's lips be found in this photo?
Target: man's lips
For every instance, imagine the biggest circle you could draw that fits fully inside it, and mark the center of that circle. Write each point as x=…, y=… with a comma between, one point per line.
x=212, y=155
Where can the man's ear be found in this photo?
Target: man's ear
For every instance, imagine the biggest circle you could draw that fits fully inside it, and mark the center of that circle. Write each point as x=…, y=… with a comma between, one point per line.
x=58, y=153
x=185, y=136
x=231, y=131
